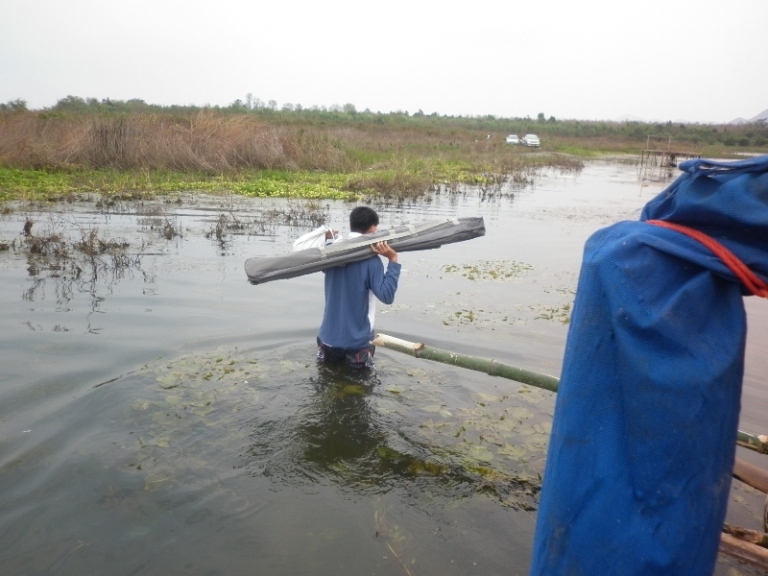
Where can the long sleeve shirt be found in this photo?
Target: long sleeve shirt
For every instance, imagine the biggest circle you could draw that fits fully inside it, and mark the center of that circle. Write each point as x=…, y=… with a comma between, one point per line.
x=346, y=323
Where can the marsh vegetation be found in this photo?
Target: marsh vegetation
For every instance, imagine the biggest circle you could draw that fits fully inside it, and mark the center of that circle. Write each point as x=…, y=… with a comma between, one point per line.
x=49, y=155
x=135, y=148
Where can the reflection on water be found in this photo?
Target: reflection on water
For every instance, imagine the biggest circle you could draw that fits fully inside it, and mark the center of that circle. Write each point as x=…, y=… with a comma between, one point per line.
x=158, y=414
x=338, y=430
x=354, y=431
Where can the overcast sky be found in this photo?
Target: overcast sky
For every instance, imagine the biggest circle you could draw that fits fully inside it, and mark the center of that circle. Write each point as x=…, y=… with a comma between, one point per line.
x=680, y=60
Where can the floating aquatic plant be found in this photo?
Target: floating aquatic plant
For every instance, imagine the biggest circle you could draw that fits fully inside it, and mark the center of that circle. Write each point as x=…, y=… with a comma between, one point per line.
x=560, y=313
x=489, y=269
x=283, y=417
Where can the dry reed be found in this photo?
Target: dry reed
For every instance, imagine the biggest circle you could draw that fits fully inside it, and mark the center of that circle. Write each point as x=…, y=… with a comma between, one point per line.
x=203, y=142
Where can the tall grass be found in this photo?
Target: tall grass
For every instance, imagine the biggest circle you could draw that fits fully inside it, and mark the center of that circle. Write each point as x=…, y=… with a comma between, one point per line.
x=203, y=142
x=211, y=142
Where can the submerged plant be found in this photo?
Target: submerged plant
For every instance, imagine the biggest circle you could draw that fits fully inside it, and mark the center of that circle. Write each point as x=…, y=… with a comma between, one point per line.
x=309, y=215
x=170, y=230
x=76, y=263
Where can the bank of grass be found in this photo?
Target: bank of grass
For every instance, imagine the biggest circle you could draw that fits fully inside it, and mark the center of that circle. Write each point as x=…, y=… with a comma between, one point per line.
x=49, y=155
x=407, y=180
x=52, y=185
x=55, y=154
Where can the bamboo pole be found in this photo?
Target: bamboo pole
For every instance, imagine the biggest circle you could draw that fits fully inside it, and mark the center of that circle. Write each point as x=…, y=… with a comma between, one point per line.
x=753, y=441
x=491, y=367
x=758, y=443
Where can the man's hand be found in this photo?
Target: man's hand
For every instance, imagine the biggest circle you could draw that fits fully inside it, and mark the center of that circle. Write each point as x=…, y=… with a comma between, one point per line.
x=384, y=249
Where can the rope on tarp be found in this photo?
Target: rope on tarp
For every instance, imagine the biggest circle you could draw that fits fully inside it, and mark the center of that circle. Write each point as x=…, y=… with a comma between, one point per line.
x=752, y=281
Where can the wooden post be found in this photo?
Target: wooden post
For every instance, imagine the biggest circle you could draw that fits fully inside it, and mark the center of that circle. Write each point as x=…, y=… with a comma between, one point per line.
x=752, y=536
x=744, y=551
x=751, y=474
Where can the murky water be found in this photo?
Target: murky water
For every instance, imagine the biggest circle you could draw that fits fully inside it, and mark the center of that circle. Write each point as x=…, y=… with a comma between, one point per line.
x=159, y=415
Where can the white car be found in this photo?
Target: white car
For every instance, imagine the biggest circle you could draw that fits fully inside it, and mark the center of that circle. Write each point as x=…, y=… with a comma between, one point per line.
x=513, y=139
x=531, y=140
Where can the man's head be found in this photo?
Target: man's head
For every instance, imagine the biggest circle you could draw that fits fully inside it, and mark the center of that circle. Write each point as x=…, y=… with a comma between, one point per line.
x=363, y=220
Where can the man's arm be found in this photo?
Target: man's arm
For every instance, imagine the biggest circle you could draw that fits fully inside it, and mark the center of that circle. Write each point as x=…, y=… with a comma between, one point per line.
x=384, y=286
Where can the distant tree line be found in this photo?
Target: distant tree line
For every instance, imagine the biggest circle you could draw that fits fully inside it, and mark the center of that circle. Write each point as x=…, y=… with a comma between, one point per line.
x=652, y=133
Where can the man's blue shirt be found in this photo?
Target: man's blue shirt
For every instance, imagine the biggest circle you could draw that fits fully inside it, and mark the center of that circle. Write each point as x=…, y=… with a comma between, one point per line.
x=345, y=319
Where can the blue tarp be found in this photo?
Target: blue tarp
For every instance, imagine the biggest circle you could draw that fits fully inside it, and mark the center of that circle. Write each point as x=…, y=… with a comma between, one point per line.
x=643, y=440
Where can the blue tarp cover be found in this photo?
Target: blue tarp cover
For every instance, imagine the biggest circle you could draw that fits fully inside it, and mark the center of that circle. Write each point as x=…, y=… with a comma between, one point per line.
x=644, y=434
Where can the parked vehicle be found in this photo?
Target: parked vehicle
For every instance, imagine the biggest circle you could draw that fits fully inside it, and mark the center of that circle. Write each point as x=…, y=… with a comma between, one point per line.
x=531, y=140
x=513, y=139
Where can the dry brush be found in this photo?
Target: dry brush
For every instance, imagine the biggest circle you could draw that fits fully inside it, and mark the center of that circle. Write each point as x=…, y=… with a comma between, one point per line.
x=203, y=142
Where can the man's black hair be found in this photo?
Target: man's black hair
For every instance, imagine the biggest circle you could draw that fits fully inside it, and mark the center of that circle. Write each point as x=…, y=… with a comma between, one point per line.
x=362, y=218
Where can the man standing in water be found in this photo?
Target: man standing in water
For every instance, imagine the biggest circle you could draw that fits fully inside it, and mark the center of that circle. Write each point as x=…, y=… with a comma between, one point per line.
x=350, y=298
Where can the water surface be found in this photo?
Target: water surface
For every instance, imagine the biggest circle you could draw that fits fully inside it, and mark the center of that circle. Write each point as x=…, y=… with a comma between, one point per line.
x=159, y=415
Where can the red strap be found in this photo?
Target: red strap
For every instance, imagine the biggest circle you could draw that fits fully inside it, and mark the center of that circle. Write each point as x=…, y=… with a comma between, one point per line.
x=753, y=283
